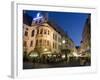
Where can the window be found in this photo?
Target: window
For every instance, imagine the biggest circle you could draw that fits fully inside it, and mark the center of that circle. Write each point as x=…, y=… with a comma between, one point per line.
x=59, y=39
x=53, y=36
x=44, y=31
x=32, y=33
x=40, y=42
x=36, y=42
x=25, y=44
x=26, y=28
x=40, y=21
x=37, y=31
x=36, y=22
x=41, y=31
x=31, y=44
x=45, y=42
x=53, y=45
x=26, y=33
x=48, y=32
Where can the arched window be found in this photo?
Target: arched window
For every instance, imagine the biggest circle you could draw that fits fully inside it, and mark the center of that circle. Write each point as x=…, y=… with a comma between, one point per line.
x=41, y=31
x=26, y=33
x=31, y=44
x=45, y=31
x=37, y=31
x=36, y=42
x=32, y=33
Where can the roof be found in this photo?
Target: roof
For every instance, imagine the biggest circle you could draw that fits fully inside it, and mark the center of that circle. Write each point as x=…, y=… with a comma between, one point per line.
x=57, y=28
x=28, y=21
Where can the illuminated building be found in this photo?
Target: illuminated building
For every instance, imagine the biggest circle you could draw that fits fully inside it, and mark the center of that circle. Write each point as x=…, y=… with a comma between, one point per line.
x=45, y=37
x=86, y=36
x=68, y=45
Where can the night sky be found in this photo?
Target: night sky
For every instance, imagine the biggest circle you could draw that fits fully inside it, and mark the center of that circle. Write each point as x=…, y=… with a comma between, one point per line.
x=71, y=23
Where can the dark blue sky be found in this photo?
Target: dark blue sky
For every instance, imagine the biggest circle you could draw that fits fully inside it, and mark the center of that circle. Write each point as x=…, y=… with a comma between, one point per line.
x=71, y=23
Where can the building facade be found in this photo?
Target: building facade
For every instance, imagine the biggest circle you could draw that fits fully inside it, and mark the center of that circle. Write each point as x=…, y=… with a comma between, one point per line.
x=86, y=36
x=44, y=37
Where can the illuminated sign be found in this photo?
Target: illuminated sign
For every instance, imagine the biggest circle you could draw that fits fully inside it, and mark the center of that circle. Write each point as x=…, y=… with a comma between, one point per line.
x=38, y=17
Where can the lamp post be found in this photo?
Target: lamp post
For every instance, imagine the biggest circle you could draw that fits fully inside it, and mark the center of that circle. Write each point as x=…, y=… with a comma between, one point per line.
x=63, y=56
x=63, y=41
x=45, y=49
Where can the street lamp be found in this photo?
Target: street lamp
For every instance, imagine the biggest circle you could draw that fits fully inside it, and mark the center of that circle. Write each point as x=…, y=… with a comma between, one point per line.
x=63, y=56
x=63, y=41
x=45, y=49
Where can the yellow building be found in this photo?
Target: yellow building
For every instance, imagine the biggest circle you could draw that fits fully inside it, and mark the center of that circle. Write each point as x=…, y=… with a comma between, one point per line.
x=29, y=38
x=41, y=37
x=44, y=37
x=47, y=39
